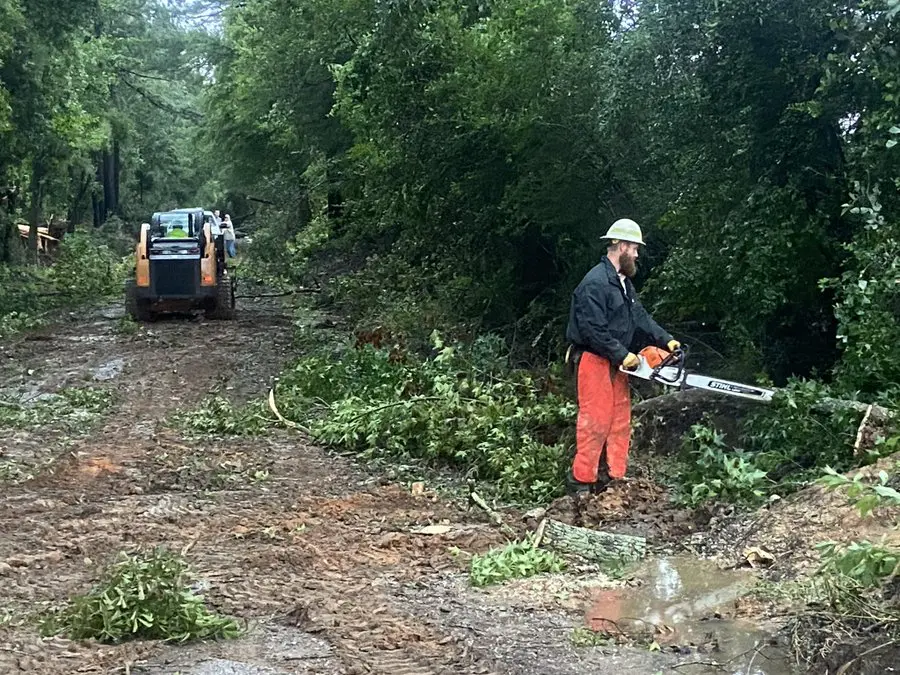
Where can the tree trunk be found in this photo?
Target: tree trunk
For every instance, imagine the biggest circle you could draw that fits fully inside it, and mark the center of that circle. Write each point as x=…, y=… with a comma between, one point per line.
x=81, y=183
x=37, y=198
x=6, y=236
x=109, y=189
x=304, y=212
x=99, y=200
x=96, y=206
x=676, y=402
x=601, y=547
x=116, y=171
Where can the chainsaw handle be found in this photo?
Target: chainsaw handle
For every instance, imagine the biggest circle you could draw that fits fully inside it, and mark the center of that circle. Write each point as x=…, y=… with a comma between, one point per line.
x=677, y=357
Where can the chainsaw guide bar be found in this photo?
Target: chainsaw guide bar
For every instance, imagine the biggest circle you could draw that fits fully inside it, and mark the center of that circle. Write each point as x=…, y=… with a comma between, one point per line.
x=676, y=376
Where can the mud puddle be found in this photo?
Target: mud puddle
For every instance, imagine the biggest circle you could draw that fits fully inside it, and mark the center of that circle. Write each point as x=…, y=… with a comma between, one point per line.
x=684, y=604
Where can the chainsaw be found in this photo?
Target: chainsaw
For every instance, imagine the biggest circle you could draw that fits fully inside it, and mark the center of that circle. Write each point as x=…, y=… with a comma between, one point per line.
x=668, y=368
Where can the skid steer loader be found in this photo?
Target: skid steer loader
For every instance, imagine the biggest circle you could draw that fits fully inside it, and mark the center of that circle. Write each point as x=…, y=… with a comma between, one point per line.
x=177, y=269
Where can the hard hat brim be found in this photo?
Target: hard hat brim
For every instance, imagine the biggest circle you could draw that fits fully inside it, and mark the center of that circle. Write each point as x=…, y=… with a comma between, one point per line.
x=630, y=240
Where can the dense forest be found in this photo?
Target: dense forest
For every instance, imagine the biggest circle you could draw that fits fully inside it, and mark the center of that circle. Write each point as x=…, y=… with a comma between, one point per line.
x=460, y=159
x=466, y=157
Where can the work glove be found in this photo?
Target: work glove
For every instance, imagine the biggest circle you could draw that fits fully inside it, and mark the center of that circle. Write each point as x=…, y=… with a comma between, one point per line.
x=673, y=345
x=631, y=361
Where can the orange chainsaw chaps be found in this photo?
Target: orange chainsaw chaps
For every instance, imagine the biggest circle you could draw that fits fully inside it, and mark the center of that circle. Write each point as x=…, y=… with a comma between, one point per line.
x=654, y=356
x=604, y=419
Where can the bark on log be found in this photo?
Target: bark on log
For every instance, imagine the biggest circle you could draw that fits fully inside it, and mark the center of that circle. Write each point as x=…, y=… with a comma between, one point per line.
x=877, y=414
x=600, y=547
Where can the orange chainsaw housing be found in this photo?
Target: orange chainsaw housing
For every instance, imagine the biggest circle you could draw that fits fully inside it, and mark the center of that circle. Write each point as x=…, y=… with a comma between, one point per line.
x=654, y=356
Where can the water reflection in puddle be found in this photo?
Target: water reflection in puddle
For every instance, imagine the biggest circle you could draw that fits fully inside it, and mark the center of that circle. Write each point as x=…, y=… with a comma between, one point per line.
x=677, y=603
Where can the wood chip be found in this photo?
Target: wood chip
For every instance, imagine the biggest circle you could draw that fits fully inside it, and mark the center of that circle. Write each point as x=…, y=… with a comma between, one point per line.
x=435, y=529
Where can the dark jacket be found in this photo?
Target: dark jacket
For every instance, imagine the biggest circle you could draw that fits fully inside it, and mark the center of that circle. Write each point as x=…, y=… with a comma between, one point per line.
x=608, y=320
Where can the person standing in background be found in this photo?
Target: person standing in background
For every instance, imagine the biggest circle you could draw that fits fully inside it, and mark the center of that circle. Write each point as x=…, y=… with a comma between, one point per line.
x=228, y=233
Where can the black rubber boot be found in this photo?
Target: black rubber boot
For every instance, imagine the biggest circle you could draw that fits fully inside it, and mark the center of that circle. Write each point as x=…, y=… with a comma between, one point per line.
x=576, y=488
x=603, y=481
x=603, y=478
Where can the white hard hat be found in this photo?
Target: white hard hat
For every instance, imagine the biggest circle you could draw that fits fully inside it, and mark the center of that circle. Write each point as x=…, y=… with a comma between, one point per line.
x=625, y=229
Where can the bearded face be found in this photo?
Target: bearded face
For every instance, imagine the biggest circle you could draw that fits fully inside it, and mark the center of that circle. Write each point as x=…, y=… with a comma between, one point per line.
x=628, y=262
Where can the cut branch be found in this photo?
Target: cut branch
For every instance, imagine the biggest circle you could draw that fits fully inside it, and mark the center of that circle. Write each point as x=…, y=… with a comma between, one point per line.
x=286, y=422
x=145, y=76
x=478, y=500
x=861, y=431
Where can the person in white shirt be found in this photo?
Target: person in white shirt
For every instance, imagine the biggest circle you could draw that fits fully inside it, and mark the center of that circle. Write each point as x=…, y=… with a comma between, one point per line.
x=228, y=233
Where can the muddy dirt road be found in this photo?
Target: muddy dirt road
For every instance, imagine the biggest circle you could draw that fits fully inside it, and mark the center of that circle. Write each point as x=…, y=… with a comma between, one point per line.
x=318, y=556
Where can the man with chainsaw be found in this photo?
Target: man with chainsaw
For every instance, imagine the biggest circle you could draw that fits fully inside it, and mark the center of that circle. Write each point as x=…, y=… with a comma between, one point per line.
x=606, y=323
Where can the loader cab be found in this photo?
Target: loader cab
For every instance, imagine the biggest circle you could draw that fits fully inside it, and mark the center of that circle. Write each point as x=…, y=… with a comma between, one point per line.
x=214, y=223
x=175, y=254
x=177, y=224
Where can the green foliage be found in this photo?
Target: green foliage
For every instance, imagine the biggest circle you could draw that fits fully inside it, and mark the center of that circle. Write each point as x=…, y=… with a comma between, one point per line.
x=16, y=322
x=216, y=416
x=516, y=560
x=585, y=637
x=863, y=562
x=462, y=407
x=98, y=110
x=86, y=269
x=786, y=445
x=864, y=495
x=146, y=595
x=710, y=470
x=466, y=157
x=388, y=291
x=127, y=326
x=18, y=302
x=869, y=300
x=71, y=408
x=796, y=436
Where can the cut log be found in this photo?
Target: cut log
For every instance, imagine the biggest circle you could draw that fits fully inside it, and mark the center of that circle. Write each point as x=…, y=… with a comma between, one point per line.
x=600, y=547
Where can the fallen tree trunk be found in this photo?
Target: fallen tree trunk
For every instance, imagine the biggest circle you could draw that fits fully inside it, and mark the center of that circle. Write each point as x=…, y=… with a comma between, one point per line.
x=601, y=547
x=876, y=414
x=699, y=397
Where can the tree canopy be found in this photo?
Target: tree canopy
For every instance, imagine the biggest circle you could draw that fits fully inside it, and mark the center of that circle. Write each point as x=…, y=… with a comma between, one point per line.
x=99, y=107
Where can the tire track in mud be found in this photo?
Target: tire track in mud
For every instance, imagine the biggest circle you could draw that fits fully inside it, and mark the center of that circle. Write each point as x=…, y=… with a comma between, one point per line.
x=135, y=481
